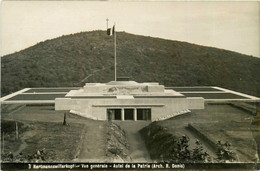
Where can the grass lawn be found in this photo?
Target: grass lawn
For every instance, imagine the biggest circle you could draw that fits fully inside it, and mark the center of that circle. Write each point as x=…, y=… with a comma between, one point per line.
x=59, y=142
x=8, y=135
x=43, y=129
x=214, y=95
x=36, y=97
x=194, y=89
x=42, y=90
x=238, y=134
x=218, y=122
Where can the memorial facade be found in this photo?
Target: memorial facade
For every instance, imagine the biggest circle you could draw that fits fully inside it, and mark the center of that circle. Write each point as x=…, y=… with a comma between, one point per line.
x=127, y=100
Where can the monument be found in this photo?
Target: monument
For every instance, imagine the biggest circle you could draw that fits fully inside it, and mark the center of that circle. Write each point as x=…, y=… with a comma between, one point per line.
x=127, y=100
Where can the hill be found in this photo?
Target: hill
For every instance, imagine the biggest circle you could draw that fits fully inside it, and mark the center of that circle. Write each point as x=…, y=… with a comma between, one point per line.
x=74, y=59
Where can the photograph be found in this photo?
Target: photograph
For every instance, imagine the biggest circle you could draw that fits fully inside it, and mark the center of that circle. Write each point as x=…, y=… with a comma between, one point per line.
x=130, y=85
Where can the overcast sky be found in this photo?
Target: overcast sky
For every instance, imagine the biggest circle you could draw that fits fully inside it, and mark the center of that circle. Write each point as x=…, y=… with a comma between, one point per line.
x=228, y=25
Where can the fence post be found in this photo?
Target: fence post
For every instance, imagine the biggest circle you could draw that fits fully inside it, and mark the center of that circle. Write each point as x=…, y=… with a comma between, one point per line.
x=3, y=142
x=16, y=131
x=64, y=120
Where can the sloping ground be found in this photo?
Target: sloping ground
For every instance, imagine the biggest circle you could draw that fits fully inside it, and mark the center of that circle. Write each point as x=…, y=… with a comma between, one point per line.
x=222, y=122
x=104, y=142
x=137, y=148
x=255, y=127
x=40, y=113
x=49, y=123
x=45, y=131
x=93, y=148
x=249, y=107
x=82, y=140
x=158, y=141
x=9, y=142
x=238, y=134
x=164, y=146
x=83, y=57
x=42, y=142
x=11, y=108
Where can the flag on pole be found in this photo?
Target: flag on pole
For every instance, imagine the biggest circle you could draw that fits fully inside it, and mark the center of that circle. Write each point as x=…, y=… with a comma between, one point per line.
x=111, y=31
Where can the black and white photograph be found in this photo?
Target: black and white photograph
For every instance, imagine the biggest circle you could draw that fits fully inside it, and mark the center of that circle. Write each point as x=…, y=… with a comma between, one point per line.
x=131, y=85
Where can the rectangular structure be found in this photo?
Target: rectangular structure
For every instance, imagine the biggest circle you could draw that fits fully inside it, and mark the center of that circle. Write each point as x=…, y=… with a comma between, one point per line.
x=126, y=100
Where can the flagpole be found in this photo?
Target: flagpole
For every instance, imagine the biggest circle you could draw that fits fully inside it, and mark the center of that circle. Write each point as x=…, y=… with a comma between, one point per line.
x=115, y=48
x=107, y=22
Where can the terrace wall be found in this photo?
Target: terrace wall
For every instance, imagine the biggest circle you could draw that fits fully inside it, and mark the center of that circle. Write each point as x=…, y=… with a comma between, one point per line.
x=97, y=108
x=195, y=102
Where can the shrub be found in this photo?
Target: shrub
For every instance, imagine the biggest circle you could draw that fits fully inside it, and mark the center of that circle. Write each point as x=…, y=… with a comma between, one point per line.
x=224, y=152
x=165, y=147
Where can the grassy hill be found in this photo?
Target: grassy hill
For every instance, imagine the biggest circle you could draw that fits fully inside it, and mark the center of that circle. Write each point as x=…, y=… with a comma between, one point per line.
x=72, y=60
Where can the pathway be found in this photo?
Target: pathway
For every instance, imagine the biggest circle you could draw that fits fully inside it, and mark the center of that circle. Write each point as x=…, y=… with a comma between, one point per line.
x=138, y=150
x=93, y=146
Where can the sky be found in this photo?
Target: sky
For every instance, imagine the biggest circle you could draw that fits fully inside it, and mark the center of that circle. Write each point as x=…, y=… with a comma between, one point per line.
x=228, y=25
